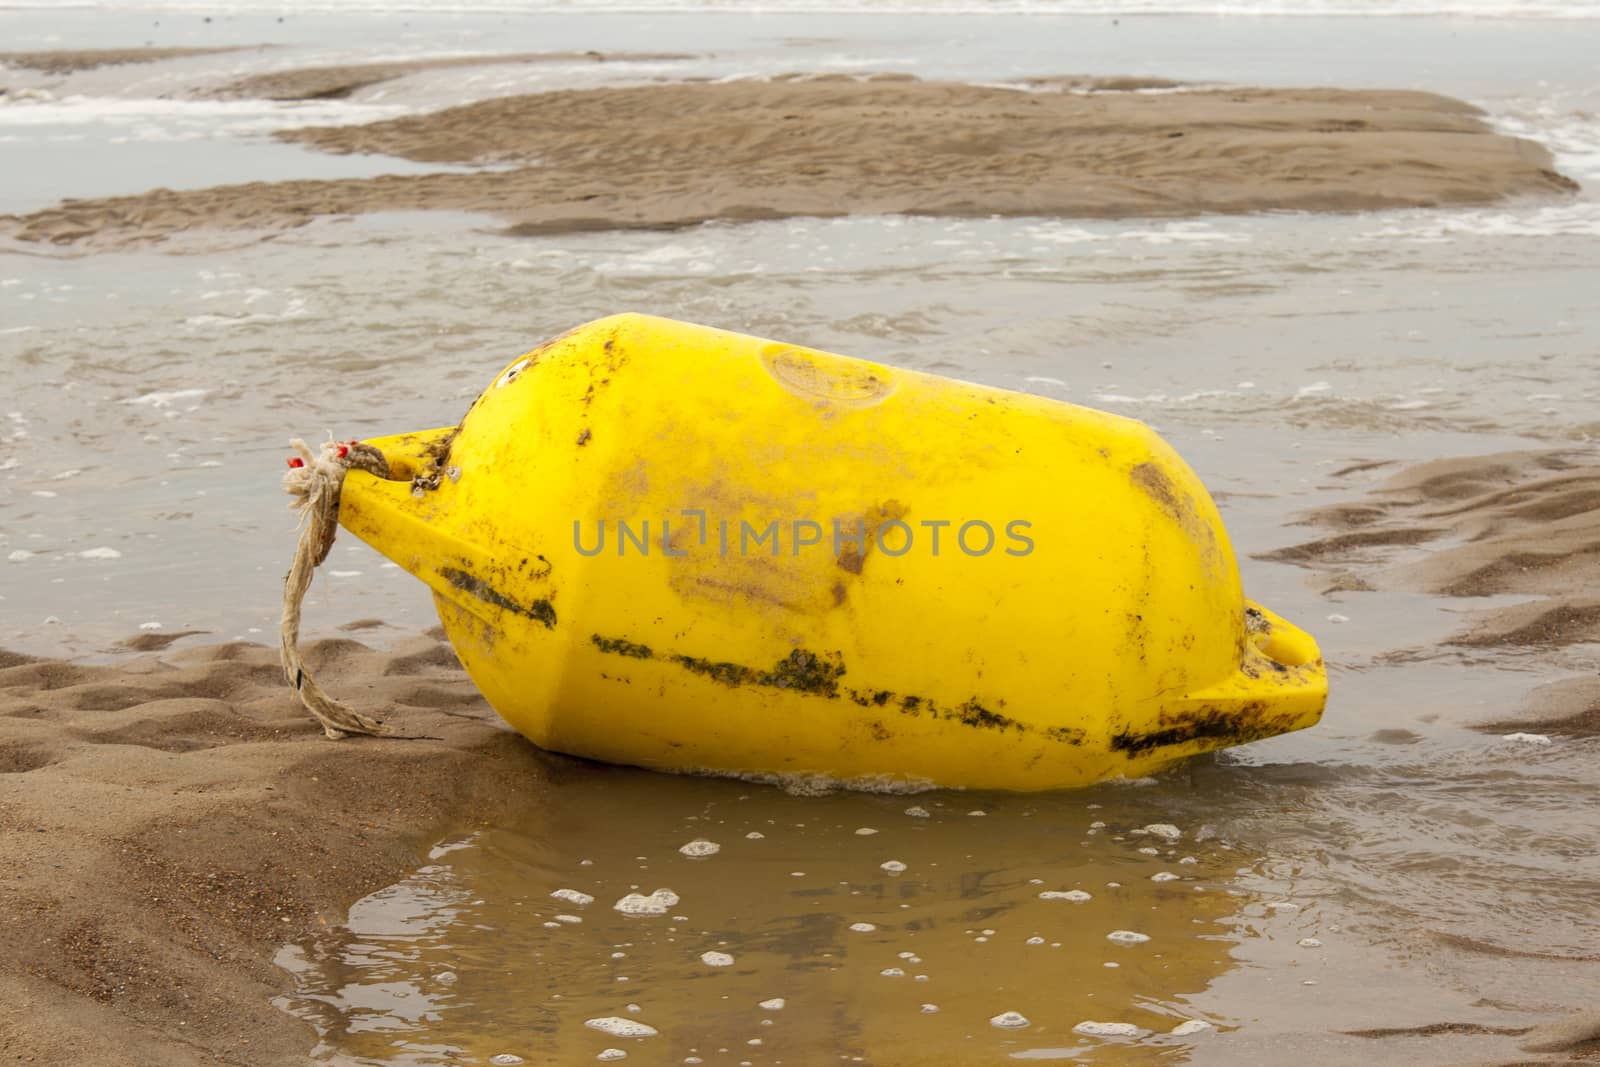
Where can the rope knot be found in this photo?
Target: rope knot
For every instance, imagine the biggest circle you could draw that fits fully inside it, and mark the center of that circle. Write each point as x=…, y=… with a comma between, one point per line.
x=314, y=481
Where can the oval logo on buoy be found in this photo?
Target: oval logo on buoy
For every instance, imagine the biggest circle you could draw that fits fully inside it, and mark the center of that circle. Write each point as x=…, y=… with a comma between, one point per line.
x=511, y=373
x=809, y=373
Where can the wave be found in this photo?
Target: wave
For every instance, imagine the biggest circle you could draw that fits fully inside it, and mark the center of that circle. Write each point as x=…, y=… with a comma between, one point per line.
x=1474, y=9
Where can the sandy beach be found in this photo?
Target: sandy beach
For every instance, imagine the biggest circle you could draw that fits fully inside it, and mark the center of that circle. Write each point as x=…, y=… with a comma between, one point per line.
x=673, y=156
x=170, y=817
x=1517, y=523
x=171, y=820
x=72, y=60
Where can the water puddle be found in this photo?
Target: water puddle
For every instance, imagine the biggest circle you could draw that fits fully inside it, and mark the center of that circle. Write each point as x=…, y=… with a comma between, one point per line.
x=682, y=920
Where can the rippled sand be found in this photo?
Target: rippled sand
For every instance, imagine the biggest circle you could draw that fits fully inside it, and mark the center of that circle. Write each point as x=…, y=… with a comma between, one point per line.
x=672, y=156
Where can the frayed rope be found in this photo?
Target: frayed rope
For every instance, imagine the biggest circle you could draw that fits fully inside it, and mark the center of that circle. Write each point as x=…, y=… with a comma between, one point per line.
x=314, y=480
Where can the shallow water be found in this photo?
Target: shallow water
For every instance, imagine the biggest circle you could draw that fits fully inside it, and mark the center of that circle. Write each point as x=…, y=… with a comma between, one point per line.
x=887, y=927
x=1268, y=898
x=1448, y=875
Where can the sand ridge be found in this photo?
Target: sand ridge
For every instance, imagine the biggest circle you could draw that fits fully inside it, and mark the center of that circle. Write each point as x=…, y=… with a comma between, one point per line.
x=339, y=82
x=1509, y=523
x=668, y=156
x=73, y=60
x=167, y=822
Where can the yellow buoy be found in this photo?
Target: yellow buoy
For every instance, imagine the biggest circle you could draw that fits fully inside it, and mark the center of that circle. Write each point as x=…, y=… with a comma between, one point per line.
x=672, y=546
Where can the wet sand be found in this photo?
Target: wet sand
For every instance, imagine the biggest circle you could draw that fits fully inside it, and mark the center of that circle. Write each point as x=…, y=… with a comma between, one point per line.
x=169, y=821
x=1521, y=523
x=663, y=157
x=339, y=82
x=73, y=60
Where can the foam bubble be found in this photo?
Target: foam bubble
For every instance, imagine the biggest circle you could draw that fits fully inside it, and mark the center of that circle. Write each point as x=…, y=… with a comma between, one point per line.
x=1077, y=896
x=700, y=847
x=573, y=896
x=892, y=866
x=1127, y=937
x=1163, y=876
x=716, y=959
x=617, y=1026
x=865, y=831
x=1091, y=1028
x=775, y=1004
x=1009, y=1020
x=657, y=903
x=612, y=1054
x=100, y=553
x=1192, y=1026
x=1164, y=830
x=863, y=928
x=1309, y=942
x=165, y=398
x=917, y=811
x=930, y=1009
x=1527, y=739
x=505, y=1059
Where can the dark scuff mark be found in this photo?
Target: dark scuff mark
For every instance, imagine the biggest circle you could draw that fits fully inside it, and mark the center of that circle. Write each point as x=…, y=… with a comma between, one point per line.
x=801, y=671
x=853, y=556
x=729, y=674
x=436, y=459
x=1238, y=726
x=808, y=673
x=839, y=593
x=618, y=646
x=583, y=438
x=1067, y=735
x=974, y=714
x=1154, y=481
x=818, y=675
x=540, y=610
